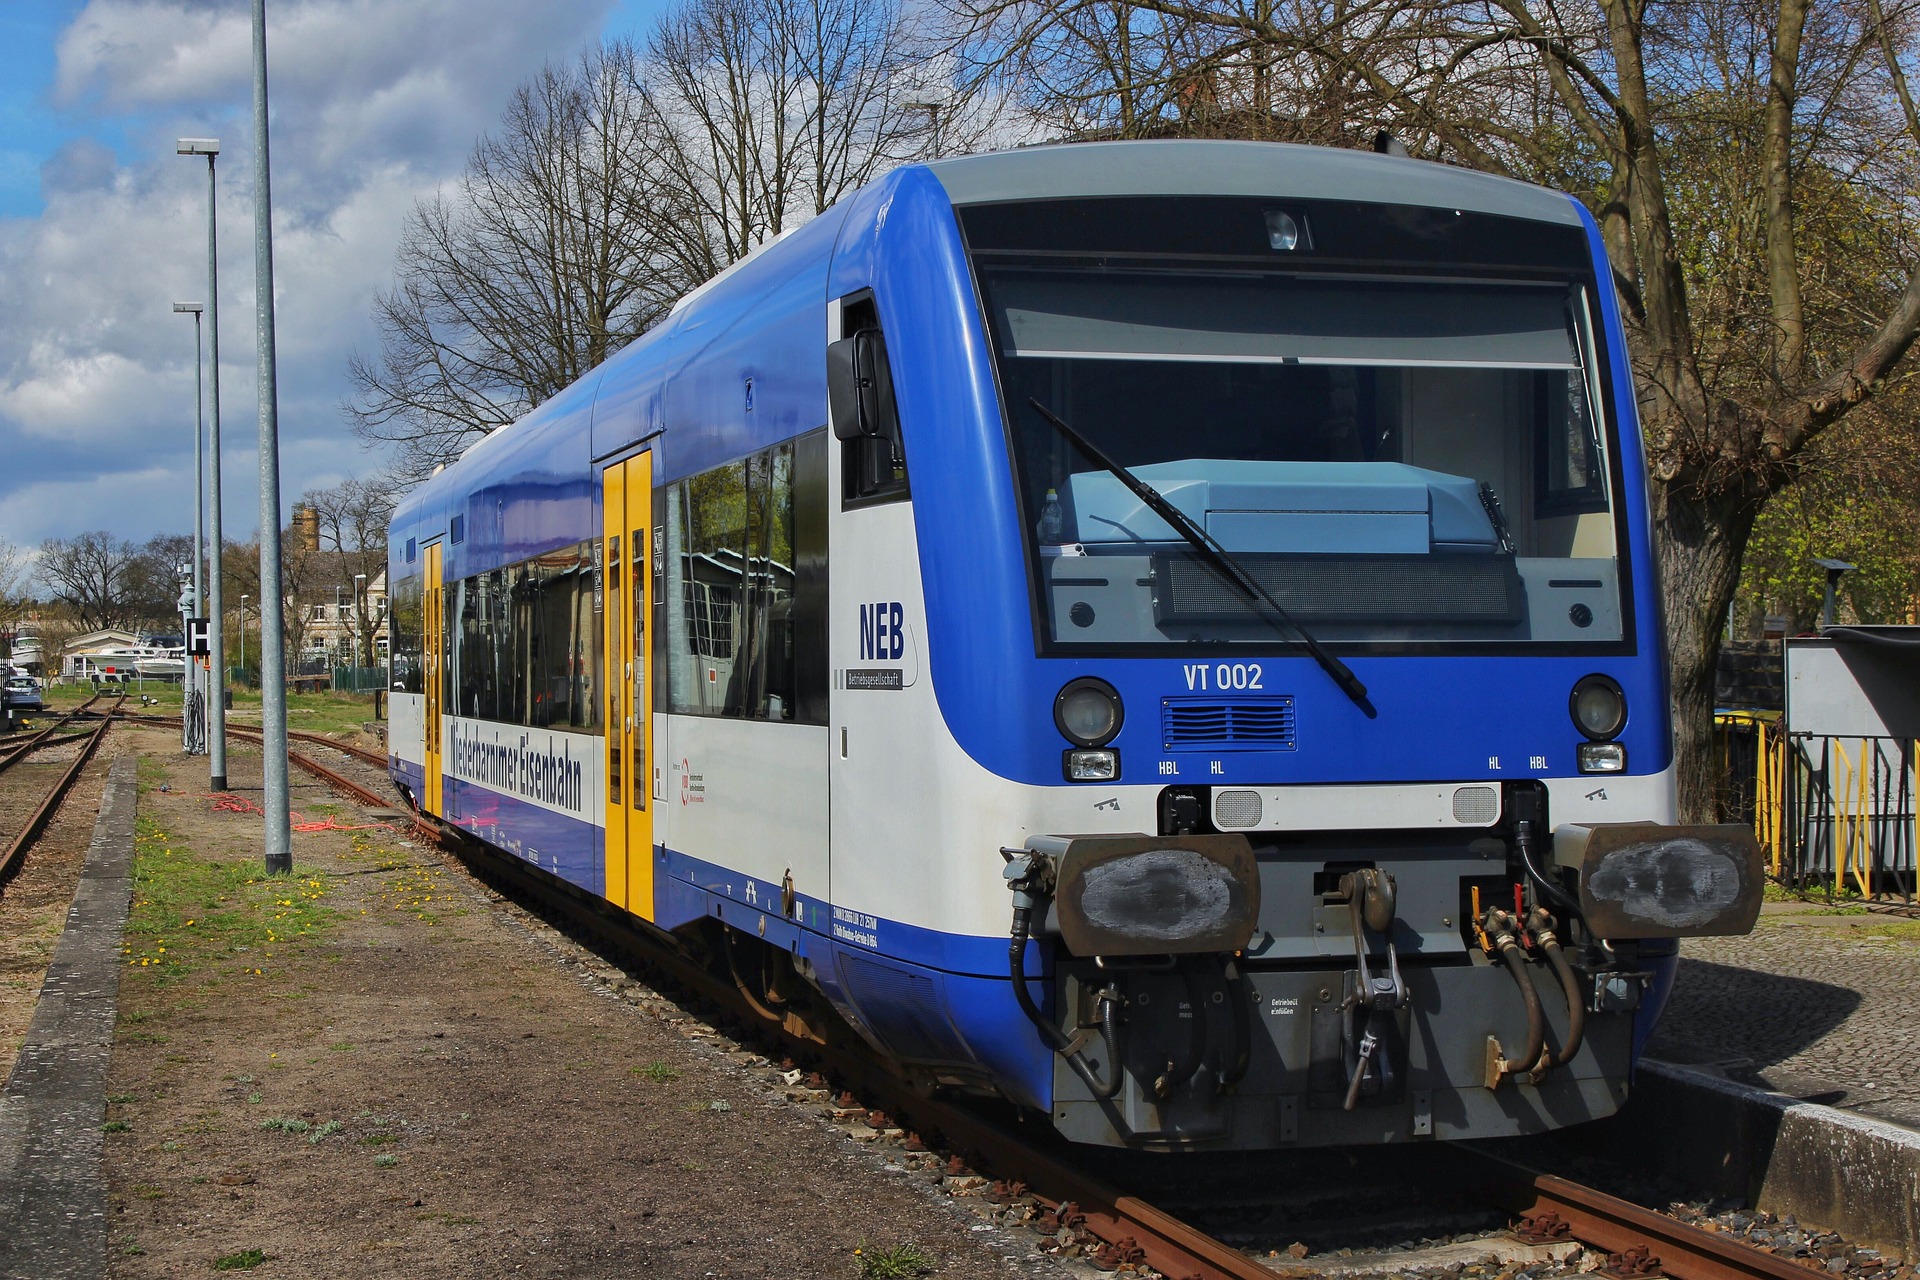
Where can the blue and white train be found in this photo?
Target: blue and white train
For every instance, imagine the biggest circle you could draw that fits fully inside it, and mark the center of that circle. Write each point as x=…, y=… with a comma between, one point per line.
x=1164, y=633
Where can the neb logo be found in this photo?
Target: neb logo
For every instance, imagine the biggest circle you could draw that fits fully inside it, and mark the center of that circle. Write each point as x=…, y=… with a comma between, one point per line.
x=880, y=638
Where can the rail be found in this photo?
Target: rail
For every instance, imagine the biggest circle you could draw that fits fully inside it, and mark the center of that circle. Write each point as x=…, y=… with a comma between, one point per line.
x=36, y=823
x=44, y=737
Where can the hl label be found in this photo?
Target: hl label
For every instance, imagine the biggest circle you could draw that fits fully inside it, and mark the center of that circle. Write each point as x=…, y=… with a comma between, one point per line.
x=880, y=635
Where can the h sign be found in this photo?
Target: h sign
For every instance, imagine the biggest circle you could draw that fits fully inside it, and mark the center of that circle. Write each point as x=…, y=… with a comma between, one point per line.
x=199, y=637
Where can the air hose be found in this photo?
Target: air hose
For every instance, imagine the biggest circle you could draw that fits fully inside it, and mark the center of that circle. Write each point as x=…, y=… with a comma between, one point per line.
x=1540, y=924
x=1109, y=1022
x=1238, y=996
x=1501, y=929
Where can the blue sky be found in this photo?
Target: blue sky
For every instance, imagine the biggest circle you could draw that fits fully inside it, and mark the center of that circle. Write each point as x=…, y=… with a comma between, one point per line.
x=102, y=227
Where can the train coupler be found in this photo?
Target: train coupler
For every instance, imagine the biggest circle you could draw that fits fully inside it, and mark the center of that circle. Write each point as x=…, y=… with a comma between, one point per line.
x=1373, y=1001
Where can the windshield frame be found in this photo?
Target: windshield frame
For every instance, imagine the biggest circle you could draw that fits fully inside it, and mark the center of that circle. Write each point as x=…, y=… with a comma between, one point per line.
x=1597, y=358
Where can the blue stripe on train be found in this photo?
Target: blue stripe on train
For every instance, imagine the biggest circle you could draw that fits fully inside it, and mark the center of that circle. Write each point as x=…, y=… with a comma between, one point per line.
x=567, y=847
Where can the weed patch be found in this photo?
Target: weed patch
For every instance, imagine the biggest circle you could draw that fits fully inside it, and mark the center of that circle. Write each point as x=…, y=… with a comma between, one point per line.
x=245, y=1260
x=658, y=1072
x=190, y=913
x=893, y=1263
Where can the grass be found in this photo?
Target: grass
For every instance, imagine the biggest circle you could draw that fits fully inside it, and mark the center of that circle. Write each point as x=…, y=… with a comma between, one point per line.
x=386, y=1161
x=327, y=712
x=285, y=1124
x=245, y=1260
x=893, y=1263
x=658, y=1072
x=191, y=913
x=322, y=1132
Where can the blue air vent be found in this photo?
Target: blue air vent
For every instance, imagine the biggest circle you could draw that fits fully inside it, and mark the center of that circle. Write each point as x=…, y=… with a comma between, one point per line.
x=1245, y=724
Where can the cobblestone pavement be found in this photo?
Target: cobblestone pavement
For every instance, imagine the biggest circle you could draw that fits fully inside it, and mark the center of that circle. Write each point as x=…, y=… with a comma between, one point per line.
x=1821, y=1006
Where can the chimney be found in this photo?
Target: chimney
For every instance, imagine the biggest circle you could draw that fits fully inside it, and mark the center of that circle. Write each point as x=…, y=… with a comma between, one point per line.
x=306, y=528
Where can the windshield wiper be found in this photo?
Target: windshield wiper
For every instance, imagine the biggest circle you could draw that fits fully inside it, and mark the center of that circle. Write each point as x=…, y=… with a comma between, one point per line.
x=1214, y=554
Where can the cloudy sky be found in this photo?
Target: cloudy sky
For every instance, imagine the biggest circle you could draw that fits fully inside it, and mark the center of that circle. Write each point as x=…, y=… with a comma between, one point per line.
x=103, y=227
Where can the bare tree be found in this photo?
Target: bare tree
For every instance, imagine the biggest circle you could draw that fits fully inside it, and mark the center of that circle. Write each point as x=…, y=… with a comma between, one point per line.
x=353, y=517
x=92, y=575
x=765, y=112
x=533, y=270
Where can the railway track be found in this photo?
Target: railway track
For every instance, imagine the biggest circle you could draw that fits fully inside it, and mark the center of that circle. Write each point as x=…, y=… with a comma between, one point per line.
x=36, y=821
x=19, y=746
x=1637, y=1242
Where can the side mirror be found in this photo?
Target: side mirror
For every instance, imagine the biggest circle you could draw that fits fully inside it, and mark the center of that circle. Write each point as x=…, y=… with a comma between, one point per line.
x=860, y=387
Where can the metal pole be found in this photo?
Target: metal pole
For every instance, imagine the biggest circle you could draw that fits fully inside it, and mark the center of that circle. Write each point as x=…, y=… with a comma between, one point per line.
x=216, y=567
x=192, y=725
x=216, y=575
x=243, y=632
x=273, y=671
x=199, y=474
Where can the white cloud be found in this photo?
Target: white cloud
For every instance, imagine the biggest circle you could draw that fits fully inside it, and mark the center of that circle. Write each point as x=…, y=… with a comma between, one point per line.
x=375, y=103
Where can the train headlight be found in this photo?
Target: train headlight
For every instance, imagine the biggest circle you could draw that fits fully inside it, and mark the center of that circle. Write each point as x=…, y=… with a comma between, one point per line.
x=1602, y=757
x=1095, y=764
x=1599, y=707
x=1088, y=712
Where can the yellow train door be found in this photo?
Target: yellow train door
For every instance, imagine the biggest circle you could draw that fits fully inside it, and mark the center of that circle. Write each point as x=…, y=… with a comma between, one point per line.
x=434, y=667
x=626, y=515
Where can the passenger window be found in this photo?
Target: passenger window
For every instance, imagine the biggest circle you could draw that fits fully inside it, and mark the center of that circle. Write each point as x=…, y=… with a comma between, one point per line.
x=745, y=591
x=866, y=417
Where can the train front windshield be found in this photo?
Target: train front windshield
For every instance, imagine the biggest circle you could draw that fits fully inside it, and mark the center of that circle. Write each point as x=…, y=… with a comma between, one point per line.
x=1400, y=463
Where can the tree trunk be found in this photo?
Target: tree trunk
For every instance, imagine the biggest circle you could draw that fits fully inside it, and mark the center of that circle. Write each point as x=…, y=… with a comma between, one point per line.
x=1698, y=542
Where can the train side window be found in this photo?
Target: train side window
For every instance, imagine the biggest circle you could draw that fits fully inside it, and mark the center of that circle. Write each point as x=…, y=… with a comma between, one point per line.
x=866, y=417
x=744, y=562
x=405, y=619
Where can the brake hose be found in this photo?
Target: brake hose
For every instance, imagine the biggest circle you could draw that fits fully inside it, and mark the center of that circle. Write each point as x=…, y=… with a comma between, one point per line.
x=1109, y=1023
x=1500, y=927
x=1541, y=925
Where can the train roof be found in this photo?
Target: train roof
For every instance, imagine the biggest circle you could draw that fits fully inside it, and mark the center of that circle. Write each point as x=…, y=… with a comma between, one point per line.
x=762, y=305
x=1274, y=169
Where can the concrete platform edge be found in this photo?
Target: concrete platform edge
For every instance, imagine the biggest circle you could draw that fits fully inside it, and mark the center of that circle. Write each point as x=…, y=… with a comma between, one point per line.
x=53, y=1191
x=1827, y=1167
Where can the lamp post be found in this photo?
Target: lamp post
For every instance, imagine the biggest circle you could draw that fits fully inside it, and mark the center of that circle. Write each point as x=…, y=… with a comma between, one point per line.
x=216, y=576
x=1836, y=570
x=192, y=724
x=273, y=667
x=359, y=618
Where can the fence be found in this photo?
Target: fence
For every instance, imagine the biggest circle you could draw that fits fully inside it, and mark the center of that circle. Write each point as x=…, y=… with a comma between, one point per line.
x=359, y=679
x=1829, y=811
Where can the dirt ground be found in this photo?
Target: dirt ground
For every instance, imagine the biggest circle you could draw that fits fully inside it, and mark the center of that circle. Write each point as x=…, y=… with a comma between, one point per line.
x=378, y=1068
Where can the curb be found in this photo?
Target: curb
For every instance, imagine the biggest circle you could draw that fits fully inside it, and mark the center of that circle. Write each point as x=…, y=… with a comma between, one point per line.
x=53, y=1193
x=1843, y=1171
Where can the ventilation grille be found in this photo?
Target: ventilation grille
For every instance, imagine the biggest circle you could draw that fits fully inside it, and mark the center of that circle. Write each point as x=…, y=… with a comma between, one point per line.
x=1476, y=806
x=1246, y=724
x=1237, y=808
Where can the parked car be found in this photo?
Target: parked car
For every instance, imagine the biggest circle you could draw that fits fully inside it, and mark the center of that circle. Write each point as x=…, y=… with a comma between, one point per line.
x=23, y=694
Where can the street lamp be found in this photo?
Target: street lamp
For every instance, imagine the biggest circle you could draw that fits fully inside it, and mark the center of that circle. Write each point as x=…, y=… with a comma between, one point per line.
x=192, y=723
x=359, y=618
x=215, y=603
x=1836, y=569
x=277, y=823
x=199, y=462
